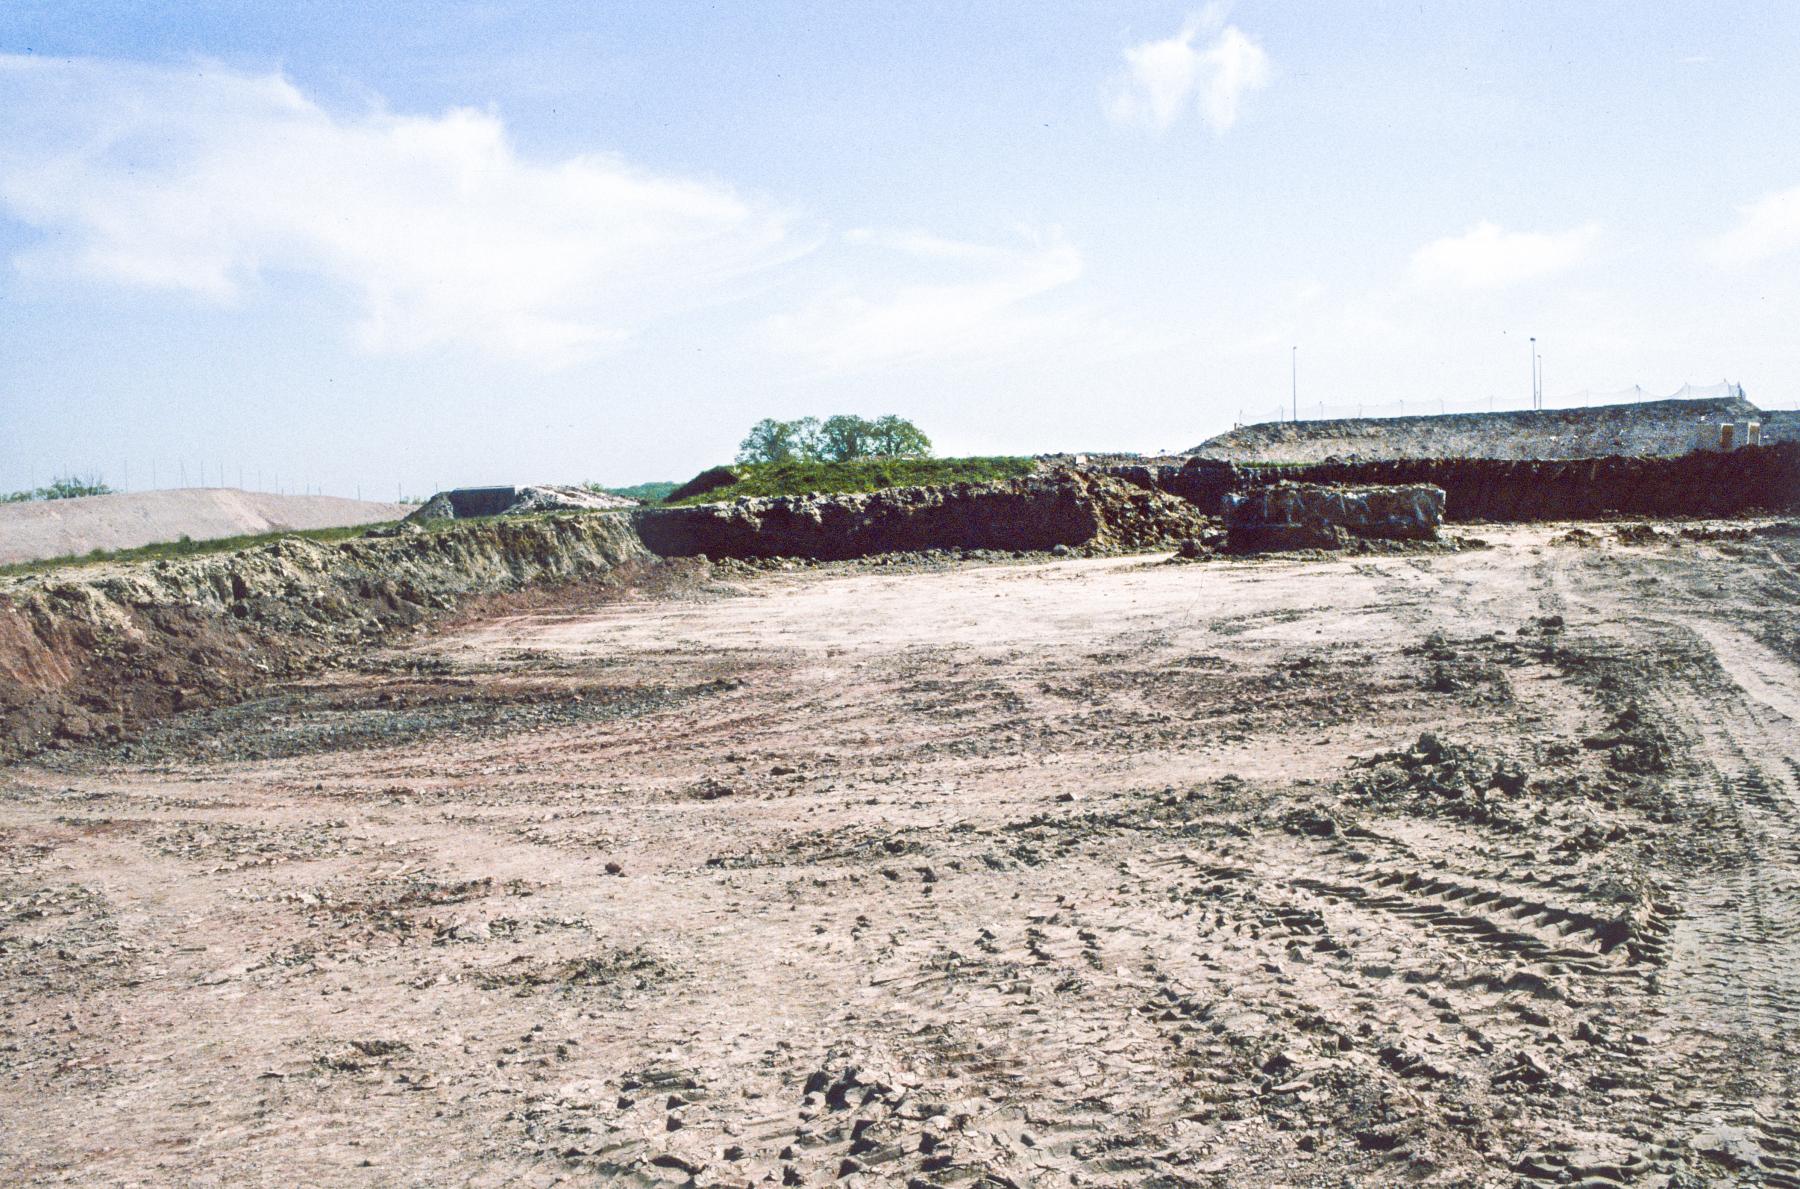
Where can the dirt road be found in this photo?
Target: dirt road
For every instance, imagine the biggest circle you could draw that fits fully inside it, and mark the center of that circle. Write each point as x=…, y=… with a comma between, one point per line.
x=1476, y=867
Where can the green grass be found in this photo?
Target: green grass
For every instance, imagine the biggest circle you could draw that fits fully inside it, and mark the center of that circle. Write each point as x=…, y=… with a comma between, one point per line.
x=801, y=478
x=170, y=550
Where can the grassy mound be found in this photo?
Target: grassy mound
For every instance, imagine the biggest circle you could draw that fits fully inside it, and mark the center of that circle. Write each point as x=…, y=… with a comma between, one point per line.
x=869, y=474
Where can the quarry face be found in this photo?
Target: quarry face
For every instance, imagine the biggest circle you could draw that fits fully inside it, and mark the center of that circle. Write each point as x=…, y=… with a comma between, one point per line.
x=1453, y=866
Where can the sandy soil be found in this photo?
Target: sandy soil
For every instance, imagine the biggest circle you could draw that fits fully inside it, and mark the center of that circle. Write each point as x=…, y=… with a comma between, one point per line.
x=70, y=528
x=1474, y=867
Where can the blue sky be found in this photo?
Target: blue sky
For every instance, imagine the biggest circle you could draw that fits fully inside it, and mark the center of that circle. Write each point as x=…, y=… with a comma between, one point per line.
x=407, y=245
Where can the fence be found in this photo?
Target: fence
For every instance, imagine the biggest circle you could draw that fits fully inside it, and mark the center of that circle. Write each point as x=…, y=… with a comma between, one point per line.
x=164, y=473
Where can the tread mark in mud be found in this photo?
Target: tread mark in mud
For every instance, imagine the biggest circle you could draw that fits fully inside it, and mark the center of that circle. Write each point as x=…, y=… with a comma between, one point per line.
x=1444, y=906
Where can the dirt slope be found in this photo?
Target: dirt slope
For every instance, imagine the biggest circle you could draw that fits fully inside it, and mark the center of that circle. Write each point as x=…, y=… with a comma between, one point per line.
x=1447, y=869
x=67, y=528
x=96, y=651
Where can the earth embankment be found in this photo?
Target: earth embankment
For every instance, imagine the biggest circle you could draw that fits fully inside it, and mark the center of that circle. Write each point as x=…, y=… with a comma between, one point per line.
x=97, y=652
x=40, y=529
x=1642, y=429
x=1706, y=483
x=93, y=653
x=1039, y=512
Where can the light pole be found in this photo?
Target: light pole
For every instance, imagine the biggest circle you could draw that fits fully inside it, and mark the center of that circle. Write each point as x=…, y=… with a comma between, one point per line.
x=1534, y=374
x=1294, y=376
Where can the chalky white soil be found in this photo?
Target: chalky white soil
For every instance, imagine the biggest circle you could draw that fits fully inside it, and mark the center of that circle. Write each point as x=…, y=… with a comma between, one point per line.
x=70, y=528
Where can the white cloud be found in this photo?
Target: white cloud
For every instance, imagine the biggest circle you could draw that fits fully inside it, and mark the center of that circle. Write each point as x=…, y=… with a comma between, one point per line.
x=1235, y=65
x=1166, y=78
x=1488, y=257
x=950, y=299
x=208, y=181
x=1770, y=226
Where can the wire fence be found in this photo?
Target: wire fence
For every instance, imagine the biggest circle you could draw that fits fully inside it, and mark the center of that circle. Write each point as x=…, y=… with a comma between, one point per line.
x=166, y=474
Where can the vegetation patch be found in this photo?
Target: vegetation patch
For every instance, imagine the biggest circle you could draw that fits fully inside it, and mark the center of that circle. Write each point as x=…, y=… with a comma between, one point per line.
x=59, y=489
x=649, y=493
x=863, y=474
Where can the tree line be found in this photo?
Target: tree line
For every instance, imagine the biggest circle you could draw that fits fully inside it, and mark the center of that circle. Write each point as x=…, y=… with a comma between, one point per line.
x=835, y=439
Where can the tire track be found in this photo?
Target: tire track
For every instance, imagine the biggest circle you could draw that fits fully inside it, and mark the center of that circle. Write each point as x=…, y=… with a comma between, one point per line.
x=1730, y=986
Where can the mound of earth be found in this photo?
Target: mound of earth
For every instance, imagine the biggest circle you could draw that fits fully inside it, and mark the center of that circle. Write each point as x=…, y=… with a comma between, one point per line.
x=1781, y=426
x=1663, y=427
x=1312, y=516
x=707, y=480
x=69, y=528
x=518, y=501
x=1066, y=508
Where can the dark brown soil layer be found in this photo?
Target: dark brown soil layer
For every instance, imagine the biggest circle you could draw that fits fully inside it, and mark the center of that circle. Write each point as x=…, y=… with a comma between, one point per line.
x=1764, y=478
x=1064, y=507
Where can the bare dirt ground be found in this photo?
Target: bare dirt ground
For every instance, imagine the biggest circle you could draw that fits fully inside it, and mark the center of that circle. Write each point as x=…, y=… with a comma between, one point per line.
x=70, y=528
x=1475, y=867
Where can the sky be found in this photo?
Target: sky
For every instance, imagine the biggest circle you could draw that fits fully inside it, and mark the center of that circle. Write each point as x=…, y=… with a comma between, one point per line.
x=382, y=249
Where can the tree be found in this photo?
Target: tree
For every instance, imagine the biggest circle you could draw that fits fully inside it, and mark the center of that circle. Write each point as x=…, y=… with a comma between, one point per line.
x=836, y=439
x=896, y=437
x=767, y=441
x=770, y=440
x=807, y=434
x=843, y=438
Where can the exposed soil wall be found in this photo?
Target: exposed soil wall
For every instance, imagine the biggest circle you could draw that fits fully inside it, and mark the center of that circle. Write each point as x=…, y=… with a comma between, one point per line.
x=1040, y=512
x=91, y=656
x=94, y=653
x=1314, y=516
x=1700, y=484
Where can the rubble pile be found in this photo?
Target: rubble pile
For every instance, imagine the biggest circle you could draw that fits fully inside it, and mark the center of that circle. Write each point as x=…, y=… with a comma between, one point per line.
x=1434, y=778
x=526, y=500
x=1311, y=516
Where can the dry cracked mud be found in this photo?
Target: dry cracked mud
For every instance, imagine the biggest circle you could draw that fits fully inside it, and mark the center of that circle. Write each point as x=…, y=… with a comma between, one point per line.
x=1461, y=867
